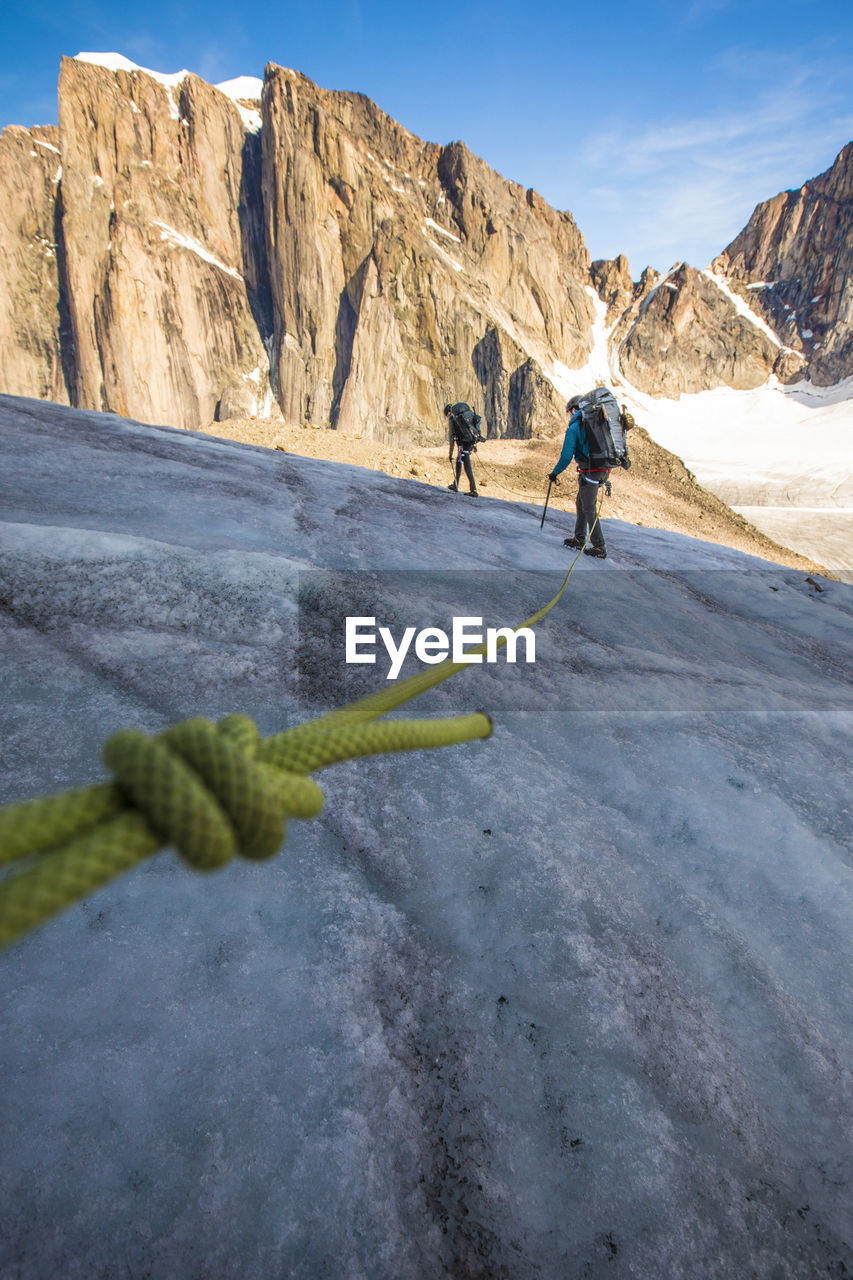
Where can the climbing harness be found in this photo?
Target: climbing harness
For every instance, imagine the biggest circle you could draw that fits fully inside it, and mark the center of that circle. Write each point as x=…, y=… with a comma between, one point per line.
x=208, y=790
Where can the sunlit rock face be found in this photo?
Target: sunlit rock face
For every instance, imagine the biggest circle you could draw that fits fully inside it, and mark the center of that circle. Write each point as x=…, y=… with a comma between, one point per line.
x=778, y=301
x=31, y=310
x=405, y=274
x=383, y=274
x=794, y=262
x=687, y=335
x=161, y=226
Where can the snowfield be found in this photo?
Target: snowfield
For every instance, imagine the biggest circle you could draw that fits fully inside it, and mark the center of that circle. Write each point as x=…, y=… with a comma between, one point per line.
x=782, y=456
x=574, y=1001
x=787, y=445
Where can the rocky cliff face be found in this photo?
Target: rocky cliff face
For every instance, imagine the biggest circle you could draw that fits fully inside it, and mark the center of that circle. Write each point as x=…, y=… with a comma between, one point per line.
x=174, y=253
x=160, y=221
x=793, y=262
x=778, y=300
x=361, y=274
x=686, y=334
x=33, y=319
x=407, y=274
x=612, y=280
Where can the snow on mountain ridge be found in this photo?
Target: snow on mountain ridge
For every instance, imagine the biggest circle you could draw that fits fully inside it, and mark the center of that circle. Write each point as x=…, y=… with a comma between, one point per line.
x=241, y=89
x=118, y=62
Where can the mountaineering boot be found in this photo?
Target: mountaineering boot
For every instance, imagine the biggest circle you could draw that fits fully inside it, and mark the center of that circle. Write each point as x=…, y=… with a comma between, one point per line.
x=472, y=493
x=598, y=552
x=454, y=488
x=574, y=543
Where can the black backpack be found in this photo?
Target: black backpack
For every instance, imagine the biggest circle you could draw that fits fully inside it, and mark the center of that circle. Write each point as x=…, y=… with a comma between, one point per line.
x=605, y=427
x=466, y=425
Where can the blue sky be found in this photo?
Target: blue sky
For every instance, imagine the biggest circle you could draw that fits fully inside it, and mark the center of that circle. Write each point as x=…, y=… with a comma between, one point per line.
x=659, y=126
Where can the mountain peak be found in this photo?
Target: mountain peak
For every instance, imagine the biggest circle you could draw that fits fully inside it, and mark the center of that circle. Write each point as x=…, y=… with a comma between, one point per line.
x=794, y=261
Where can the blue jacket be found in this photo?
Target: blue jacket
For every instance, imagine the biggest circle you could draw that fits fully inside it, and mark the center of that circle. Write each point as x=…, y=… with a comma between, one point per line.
x=574, y=444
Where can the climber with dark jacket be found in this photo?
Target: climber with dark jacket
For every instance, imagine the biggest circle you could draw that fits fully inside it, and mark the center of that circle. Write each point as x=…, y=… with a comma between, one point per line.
x=464, y=432
x=576, y=448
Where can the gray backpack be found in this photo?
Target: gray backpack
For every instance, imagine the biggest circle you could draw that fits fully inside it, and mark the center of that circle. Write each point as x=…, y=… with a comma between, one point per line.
x=604, y=426
x=466, y=425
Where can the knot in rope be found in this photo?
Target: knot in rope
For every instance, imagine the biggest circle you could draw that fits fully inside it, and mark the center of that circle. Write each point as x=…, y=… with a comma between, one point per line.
x=208, y=790
x=202, y=789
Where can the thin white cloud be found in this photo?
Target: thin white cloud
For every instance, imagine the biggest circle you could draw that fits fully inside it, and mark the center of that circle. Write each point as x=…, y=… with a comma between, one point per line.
x=765, y=121
x=691, y=184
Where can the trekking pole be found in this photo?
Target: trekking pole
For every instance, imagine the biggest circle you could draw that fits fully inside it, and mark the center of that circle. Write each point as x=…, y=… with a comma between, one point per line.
x=547, y=496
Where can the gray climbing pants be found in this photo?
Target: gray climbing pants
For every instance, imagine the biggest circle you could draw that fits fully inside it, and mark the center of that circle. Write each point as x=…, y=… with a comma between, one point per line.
x=585, y=506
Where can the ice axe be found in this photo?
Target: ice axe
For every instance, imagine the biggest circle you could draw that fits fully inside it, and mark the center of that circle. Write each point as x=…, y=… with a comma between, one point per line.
x=551, y=480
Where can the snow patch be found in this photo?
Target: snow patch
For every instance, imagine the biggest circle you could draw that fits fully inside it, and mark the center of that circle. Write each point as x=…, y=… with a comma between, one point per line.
x=778, y=444
x=251, y=118
x=443, y=230
x=457, y=266
x=747, y=312
x=117, y=62
x=179, y=241
x=659, y=283
x=598, y=369
x=241, y=90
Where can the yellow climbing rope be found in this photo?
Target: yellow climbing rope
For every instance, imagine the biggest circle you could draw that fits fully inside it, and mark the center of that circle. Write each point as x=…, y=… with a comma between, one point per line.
x=209, y=791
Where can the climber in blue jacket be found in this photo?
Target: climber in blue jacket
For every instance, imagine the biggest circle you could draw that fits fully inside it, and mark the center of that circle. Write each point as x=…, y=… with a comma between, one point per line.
x=576, y=448
x=574, y=445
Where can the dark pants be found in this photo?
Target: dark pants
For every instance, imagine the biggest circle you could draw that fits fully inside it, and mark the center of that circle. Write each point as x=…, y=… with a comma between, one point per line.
x=463, y=459
x=585, y=506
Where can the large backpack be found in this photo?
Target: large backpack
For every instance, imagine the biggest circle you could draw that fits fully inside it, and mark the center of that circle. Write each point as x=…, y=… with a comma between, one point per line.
x=466, y=424
x=604, y=426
